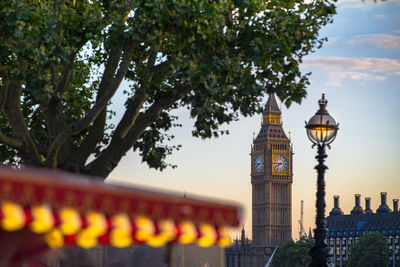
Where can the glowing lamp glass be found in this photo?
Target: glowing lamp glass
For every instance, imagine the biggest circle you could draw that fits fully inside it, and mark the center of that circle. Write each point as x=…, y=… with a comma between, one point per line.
x=43, y=220
x=70, y=221
x=13, y=216
x=321, y=129
x=321, y=134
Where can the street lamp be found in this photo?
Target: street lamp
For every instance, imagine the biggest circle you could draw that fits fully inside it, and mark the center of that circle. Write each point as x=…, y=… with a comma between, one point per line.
x=321, y=130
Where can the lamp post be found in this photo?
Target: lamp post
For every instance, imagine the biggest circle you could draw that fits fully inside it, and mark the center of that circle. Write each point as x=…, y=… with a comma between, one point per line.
x=321, y=130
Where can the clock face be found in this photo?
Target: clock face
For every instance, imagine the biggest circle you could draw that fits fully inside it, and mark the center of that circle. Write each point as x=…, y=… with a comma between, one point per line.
x=280, y=163
x=258, y=164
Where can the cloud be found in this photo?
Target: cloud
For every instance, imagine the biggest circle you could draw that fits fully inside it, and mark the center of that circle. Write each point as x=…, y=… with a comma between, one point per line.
x=362, y=69
x=381, y=40
x=364, y=5
x=336, y=78
x=334, y=39
x=380, y=16
x=354, y=64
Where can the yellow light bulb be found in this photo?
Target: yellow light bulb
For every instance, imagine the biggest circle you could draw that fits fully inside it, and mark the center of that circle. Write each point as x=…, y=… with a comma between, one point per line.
x=43, y=219
x=224, y=240
x=86, y=239
x=70, y=221
x=145, y=228
x=54, y=238
x=120, y=235
x=167, y=234
x=97, y=224
x=188, y=233
x=13, y=216
x=208, y=235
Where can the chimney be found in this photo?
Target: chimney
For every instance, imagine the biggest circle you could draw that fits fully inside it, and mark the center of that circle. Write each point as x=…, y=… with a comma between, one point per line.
x=395, y=205
x=357, y=208
x=368, y=206
x=336, y=209
x=383, y=208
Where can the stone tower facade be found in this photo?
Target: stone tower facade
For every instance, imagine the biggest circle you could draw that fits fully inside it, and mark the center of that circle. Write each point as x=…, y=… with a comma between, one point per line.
x=271, y=179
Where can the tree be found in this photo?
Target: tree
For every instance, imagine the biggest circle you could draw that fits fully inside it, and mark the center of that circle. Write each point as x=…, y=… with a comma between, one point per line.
x=370, y=250
x=63, y=60
x=293, y=254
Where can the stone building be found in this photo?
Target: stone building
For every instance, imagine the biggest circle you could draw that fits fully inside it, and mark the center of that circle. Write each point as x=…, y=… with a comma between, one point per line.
x=271, y=179
x=344, y=230
x=240, y=254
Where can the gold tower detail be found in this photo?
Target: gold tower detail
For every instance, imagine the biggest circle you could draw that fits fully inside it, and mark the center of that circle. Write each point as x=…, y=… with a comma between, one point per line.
x=271, y=179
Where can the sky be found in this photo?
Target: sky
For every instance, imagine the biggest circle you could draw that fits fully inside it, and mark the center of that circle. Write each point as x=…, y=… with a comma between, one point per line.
x=358, y=69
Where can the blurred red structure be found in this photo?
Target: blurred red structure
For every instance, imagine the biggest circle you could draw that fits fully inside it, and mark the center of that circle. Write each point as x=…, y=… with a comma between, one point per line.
x=42, y=209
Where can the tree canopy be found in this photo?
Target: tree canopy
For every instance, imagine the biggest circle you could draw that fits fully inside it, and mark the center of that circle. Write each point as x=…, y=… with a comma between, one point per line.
x=370, y=250
x=61, y=62
x=293, y=254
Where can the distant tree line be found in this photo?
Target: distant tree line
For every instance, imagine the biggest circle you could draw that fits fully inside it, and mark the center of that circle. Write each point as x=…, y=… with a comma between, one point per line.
x=371, y=250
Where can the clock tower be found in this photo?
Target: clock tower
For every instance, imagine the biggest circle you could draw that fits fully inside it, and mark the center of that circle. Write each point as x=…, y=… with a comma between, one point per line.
x=271, y=179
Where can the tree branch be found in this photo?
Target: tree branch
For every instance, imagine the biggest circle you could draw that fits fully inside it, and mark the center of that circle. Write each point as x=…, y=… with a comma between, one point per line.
x=66, y=74
x=4, y=89
x=68, y=67
x=53, y=111
x=134, y=106
x=15, y=143
x=110, y=156
x=130, y=115
x=24, y=142
x=107, y=89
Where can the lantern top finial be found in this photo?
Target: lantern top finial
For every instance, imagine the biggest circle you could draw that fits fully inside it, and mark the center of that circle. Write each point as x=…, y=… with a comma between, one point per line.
x=322, y=106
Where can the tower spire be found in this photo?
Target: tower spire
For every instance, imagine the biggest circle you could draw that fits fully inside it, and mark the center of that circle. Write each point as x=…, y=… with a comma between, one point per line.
x=271, y=105
x=243, y=235
x=272, y=113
